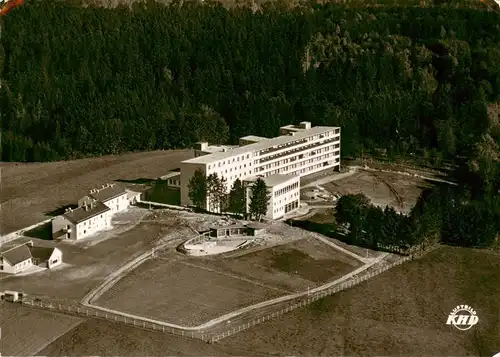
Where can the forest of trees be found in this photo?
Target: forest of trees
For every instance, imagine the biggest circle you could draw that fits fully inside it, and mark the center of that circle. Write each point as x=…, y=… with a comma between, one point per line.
x=92, y=81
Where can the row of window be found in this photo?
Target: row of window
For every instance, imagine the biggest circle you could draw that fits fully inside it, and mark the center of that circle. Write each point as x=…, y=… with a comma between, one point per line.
x=230, y=161
x=299, y=142
x=278, y=203
x=300, y=149
x=286, y=189
x=291, y=206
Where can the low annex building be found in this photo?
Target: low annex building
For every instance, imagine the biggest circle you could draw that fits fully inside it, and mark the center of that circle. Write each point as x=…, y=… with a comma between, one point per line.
x=284, y=192
x=24, y=256
x=93, y=214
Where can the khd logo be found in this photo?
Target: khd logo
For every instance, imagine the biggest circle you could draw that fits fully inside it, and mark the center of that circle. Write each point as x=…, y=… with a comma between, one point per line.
x=463, y=317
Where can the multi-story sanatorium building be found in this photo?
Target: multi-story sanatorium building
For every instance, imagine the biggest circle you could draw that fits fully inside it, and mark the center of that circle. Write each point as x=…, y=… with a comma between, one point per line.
x=300, y=150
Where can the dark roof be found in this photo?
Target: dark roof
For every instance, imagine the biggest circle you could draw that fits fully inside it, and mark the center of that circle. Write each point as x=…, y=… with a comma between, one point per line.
x=108, y=193
x=17, y=255
x=42, y=253
x=80, y=214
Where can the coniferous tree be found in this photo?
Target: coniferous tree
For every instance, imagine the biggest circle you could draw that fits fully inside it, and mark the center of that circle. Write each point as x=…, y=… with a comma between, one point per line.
x=197, y=187
x=259, y=199
x=237, y=198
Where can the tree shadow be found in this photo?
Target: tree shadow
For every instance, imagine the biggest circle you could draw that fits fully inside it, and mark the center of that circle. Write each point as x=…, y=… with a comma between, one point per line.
x=60, y=210
x=41, y=232
x=139, y=181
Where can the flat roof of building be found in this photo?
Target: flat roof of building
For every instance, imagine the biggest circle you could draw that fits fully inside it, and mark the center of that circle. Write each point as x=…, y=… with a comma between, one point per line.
x=279, y=140
x=273, y=180
x=254, y=138
x=212, y=149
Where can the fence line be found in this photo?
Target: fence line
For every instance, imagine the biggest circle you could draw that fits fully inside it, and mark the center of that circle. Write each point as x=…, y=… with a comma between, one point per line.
x=300, y=302
x=215, y=337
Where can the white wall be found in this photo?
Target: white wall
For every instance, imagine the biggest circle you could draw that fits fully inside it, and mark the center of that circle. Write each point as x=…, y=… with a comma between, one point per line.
x=118, y=204
x=282, y=195
x=59, y=223
x=55, y=259
x=277, y=202
x=93, y=225
x=18, y=268
x=6, y=267
x=235, y=167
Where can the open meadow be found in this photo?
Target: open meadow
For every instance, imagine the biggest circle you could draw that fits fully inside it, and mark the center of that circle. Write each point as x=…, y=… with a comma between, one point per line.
x=399, y=313
x=26, y=331
x=30, y=191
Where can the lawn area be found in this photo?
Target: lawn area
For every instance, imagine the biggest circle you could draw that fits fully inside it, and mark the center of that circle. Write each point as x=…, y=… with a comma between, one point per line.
x=172, y=291
x=293, y=267
x=26, y=331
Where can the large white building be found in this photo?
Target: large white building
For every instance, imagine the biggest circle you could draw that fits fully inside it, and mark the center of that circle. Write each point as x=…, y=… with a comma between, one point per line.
x=300, y=150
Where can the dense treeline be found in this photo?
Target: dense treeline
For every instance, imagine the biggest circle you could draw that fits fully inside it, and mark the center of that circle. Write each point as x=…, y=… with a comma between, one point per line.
x=91, y=81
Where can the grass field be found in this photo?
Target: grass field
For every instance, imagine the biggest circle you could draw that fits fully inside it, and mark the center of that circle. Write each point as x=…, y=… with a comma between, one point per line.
x=190, y=291
x=31, y=191
x=402, y=312
x=182, y=294
x=26, y=331
x=399, y=313
x=292, y=267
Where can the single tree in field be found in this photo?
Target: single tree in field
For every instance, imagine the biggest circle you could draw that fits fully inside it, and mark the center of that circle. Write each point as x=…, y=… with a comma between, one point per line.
x=237, y=198
x=259, y=200
x=197, y=187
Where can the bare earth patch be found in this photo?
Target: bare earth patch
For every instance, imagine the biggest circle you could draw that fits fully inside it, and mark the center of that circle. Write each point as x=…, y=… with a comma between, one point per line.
x=30, y=191
x=383, y=188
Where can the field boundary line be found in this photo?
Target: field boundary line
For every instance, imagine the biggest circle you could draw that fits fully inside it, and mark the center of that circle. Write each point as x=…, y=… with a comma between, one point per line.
x=318, y=294
x=228, y=316
x=234, y=276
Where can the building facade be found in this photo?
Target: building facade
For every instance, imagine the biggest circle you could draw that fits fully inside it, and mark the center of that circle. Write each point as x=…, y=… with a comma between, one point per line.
x=24, y=256
x=300, y=150
x=81, y=222
x=284, y=194
x=16, y=260
x=113, y=196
